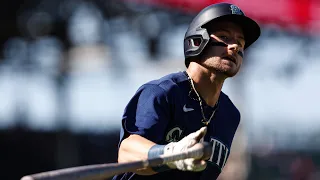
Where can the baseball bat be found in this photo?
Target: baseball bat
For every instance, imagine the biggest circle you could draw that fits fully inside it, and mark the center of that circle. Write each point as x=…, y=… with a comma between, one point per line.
x=102, y=171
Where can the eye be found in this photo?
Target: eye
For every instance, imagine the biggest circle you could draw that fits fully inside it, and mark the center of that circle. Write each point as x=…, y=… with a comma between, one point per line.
x=224, y=38
x=241, y=44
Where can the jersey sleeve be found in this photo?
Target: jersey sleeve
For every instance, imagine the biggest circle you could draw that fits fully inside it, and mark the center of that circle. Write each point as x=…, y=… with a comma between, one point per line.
x=147, y=114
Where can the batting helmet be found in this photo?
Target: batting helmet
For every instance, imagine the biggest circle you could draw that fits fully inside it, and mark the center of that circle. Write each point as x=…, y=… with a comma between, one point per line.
x=212, y=13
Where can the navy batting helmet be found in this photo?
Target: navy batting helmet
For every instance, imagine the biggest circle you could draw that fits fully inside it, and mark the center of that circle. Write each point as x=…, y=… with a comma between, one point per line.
x=212, y=13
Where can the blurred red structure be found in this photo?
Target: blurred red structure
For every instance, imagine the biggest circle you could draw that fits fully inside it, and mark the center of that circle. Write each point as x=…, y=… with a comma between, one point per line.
x=301, y=14
x=302, y=168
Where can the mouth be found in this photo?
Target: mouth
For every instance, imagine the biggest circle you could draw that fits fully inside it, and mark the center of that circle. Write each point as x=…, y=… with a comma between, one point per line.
x=231, y=58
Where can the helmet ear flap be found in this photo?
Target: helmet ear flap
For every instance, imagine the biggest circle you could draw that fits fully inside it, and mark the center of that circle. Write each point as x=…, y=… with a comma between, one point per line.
x=194, y=42
x=193, y=45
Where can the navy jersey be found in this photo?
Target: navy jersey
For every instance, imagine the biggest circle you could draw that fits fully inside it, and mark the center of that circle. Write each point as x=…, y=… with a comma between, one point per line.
x=166, y=110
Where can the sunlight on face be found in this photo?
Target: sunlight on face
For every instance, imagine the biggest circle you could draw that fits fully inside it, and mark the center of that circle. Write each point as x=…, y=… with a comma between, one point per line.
x=225, y=56
x=227, y=32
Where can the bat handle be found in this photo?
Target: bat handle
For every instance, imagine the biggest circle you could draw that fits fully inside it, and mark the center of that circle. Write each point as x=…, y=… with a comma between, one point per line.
x=207, y=150
x=198, y=151
x=202, y=150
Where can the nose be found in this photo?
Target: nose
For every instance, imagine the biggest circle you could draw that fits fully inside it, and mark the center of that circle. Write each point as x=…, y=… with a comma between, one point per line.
x=234, y=47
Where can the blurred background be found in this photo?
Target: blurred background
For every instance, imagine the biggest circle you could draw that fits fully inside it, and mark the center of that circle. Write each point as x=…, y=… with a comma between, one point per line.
x=69, y=67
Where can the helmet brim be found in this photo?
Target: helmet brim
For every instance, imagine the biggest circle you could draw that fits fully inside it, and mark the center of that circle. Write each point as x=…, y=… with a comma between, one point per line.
x=250, y=28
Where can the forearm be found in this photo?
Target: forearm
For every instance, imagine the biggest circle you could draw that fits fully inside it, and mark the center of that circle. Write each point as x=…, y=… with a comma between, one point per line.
x=135, y=148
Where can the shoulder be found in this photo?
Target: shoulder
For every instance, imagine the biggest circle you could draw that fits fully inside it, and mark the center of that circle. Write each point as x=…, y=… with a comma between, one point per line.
x=170, y=80
x=166, y=84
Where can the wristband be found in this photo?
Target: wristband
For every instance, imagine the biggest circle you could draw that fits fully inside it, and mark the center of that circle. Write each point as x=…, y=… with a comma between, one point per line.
x=154, y=152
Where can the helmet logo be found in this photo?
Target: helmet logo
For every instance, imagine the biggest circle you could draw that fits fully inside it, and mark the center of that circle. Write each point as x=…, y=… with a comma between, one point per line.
x=236, y=10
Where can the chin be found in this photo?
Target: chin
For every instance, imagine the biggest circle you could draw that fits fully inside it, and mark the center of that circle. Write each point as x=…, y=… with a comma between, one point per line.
x=228, y=72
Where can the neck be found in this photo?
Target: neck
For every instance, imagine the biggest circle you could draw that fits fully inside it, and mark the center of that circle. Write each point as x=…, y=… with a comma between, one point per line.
x=207, y=83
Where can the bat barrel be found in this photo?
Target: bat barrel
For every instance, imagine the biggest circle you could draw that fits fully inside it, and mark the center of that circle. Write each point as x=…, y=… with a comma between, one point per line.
x=90, y=172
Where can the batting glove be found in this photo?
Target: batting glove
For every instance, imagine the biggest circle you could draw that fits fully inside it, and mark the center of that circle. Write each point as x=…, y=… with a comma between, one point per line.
x=185, y=144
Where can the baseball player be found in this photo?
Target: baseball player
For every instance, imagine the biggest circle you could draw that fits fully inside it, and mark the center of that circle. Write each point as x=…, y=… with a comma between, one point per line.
x=173, y=113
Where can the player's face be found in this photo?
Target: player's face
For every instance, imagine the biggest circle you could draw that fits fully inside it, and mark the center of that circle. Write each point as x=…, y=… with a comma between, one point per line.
x=226, y=58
